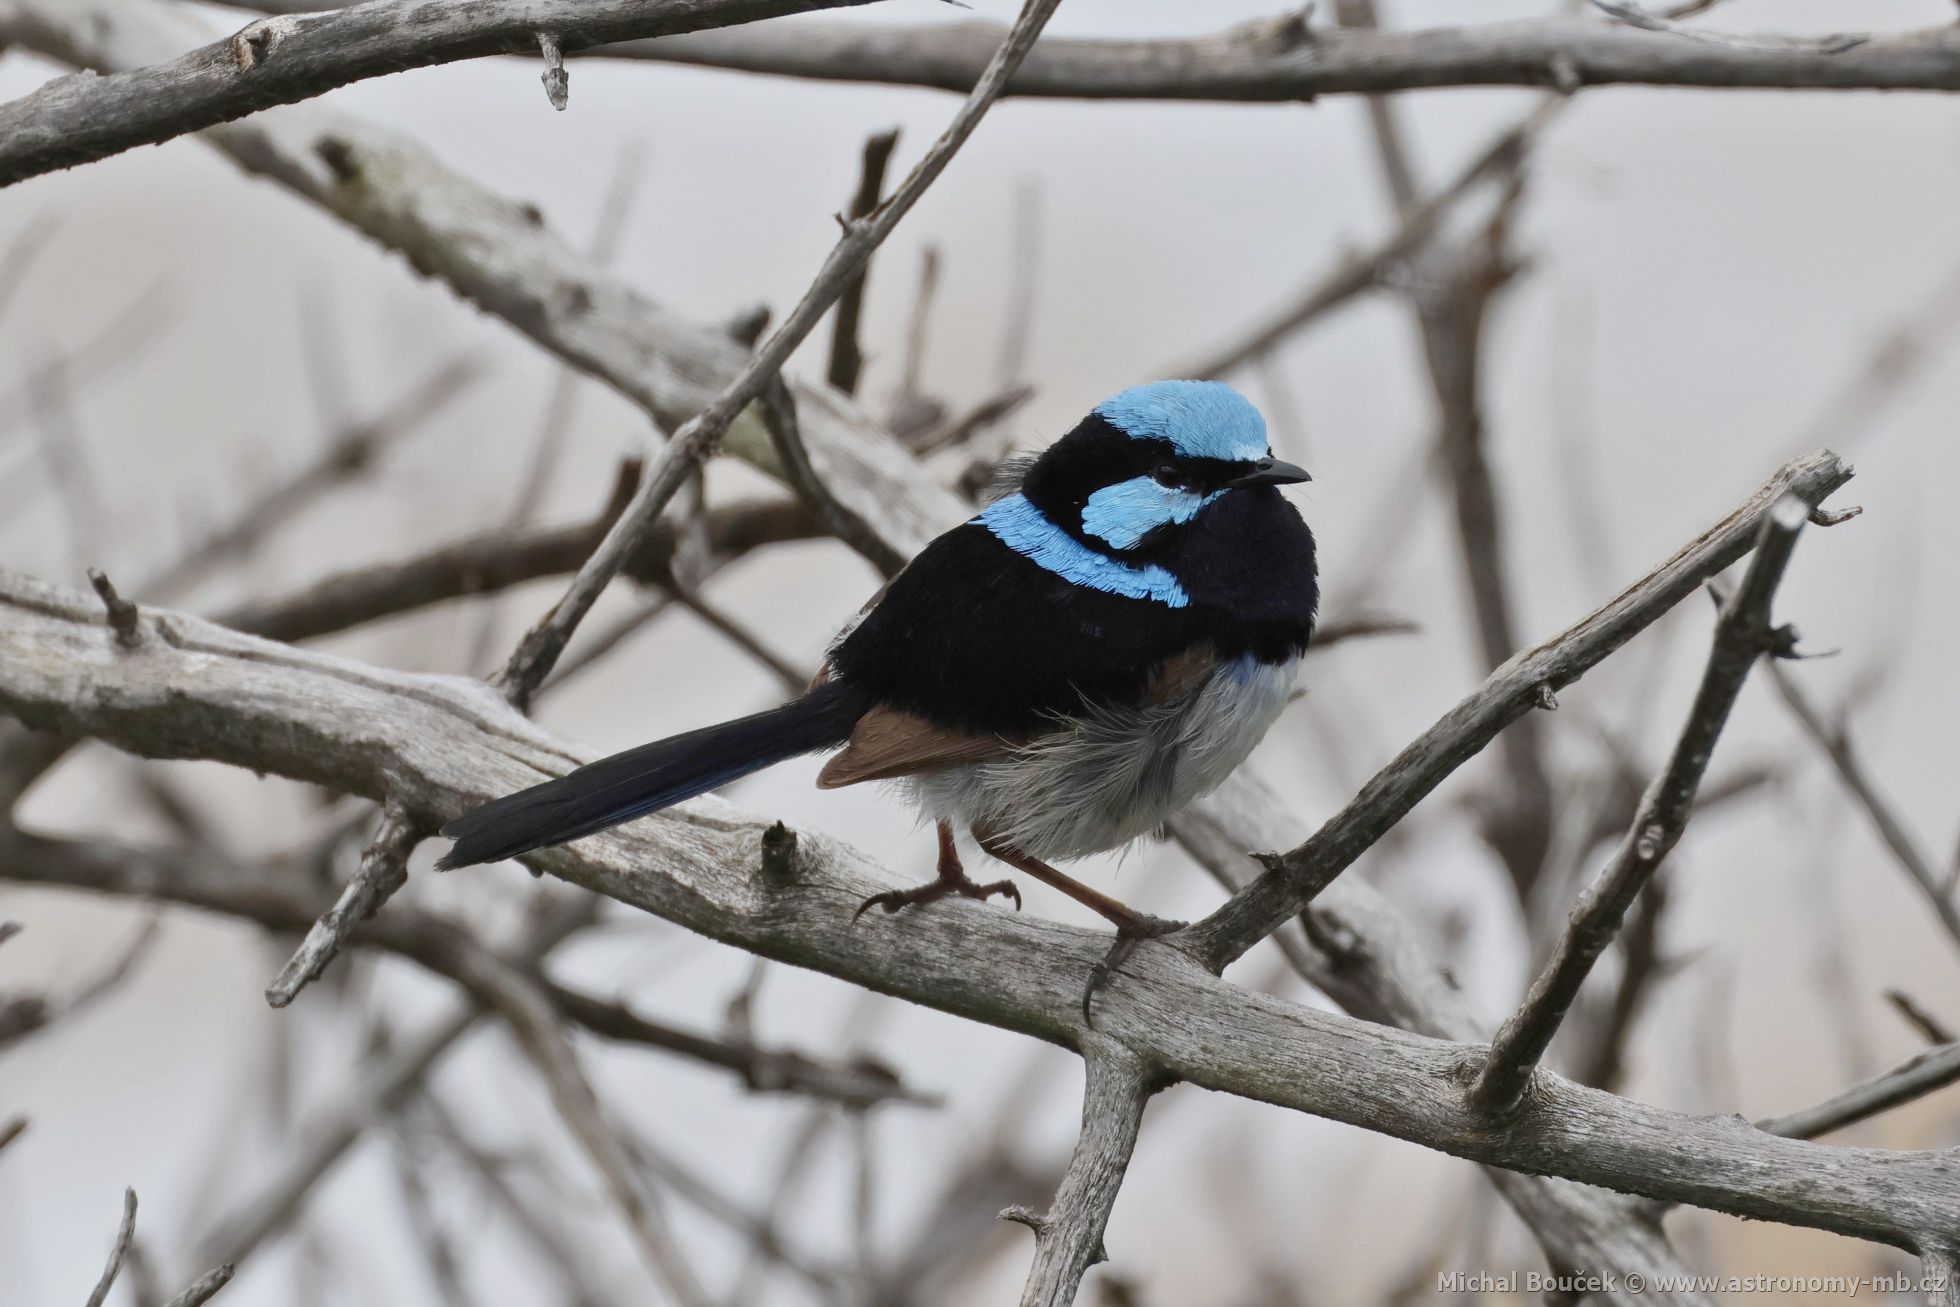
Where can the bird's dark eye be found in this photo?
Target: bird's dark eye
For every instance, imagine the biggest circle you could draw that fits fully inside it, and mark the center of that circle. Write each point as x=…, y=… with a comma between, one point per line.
x=1170, y=475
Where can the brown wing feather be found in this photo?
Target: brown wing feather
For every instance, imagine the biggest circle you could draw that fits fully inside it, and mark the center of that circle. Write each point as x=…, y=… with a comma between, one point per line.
x=889, y=742
x=1180, y=673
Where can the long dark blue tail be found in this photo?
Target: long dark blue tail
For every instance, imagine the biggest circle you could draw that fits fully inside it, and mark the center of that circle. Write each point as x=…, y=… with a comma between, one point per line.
x=651, y=777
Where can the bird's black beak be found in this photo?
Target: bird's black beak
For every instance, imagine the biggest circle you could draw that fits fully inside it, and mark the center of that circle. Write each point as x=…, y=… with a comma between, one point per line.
x=1272, y=472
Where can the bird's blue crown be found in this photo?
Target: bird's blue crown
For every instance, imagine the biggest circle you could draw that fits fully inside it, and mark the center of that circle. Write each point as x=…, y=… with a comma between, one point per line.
x=1200, y=419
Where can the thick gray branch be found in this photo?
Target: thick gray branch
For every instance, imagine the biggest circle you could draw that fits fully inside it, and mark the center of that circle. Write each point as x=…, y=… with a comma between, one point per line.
x=77, y=120
x=1281, y=60
x=439, y=745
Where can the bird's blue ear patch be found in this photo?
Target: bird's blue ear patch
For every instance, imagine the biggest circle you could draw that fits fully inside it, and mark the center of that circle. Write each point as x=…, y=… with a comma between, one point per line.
x=1201, y=419
x=1123, y=514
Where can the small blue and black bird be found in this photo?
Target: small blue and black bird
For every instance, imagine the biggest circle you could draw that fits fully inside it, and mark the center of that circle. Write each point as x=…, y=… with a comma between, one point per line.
x=1058, y=675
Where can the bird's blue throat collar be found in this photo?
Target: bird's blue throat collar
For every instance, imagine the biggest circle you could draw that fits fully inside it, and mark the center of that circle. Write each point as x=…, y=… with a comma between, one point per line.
x=1022, y=527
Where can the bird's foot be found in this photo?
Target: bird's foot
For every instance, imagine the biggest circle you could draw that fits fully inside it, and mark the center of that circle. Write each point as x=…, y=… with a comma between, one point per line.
x=1130, y=932
x=954, y=882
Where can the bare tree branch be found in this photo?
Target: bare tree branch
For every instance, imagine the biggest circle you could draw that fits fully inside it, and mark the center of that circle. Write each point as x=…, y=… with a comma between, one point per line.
x=1919, y=1075
x=23, y=1015
x=1068, y=1240
x=526, y=1009
x=1931, y=1027
x=1742, y=635
x=1885, y=820
x=76, y=120
x=1281, y=60
x=778, y=405
x=846, y=354
x=1634, y=16
x=1366, y=271
x=439, y=745
x=270, y=1208
x=497, y=560
x=1511, y=691
x=347, y=453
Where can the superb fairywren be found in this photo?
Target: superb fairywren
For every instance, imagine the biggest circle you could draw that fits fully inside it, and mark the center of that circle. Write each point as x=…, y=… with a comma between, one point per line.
x=1059, y=675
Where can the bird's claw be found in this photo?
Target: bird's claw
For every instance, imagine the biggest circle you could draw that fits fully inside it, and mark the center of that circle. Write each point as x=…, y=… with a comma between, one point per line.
x=895, y=900
x=1129, y=934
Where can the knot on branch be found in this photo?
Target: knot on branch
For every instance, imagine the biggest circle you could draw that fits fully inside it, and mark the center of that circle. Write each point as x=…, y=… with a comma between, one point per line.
x=337, y=152
x=122, y=613
x=256, y=42
x=1021, y=1214
x=779, y=859
x=557, y=82
x=1563, y=70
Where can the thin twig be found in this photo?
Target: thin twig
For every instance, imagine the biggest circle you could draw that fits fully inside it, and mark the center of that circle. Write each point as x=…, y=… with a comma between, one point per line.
x=561, y=406
x=1634, y=16
x=911, y=393
x=528, y=1012
x=204, y=1288
x=962, y=428
x=347, y=454
x=63, y=447
x=532, y=660
x=1023, y=288
x=793, y=679
x=383, y=870
x=1931, y=1027
x=23, y=1016
x=1884, y=818
x=271, y=1207
x=1742, y=635
x=572, y=1264
x=778, y=406
x=117, y=1251
x=1917, y=1076
x=498, y=560
x=123, y=616
x=846, y=352
x=1369, y=269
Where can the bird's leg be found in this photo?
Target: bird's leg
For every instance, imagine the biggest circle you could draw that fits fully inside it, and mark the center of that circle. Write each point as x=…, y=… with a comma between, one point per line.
x=1132, y=927
x=952, y=880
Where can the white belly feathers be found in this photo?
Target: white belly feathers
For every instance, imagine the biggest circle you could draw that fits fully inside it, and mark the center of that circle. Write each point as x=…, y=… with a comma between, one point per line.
x=1115, y=775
